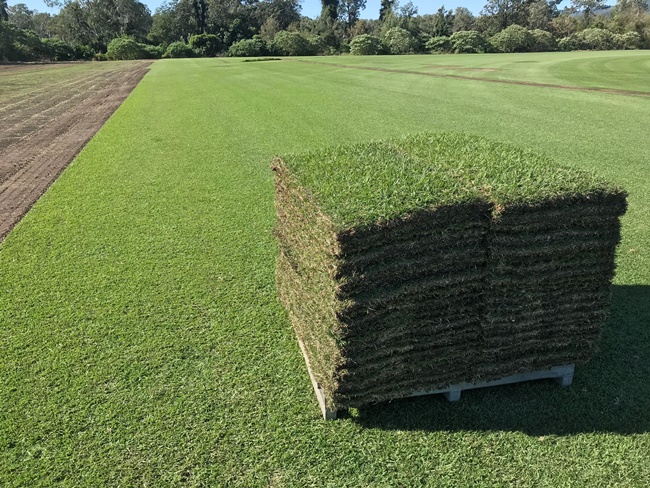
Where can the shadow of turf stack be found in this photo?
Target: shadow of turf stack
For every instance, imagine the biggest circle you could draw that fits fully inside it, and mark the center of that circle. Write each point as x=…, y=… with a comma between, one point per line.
x=417, y=263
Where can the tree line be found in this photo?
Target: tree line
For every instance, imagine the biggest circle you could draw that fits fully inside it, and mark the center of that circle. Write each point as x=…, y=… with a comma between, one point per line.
x=126, y=29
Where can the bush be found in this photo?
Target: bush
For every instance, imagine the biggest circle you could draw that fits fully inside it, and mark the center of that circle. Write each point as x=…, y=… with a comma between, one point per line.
x=463, y=42
x=569, y=43
x=595, y=39
x=206, y=45
x=248, y=48
x=82, y=52
x=178, y=50
x=512, y=39
x=542, y=41
x=318, y=45
x=100, y=57
x=629, y=40
x=365, y=44
x=440, y=44
x=400, y=41
x=152, y=52
x=124, y=48
x=592, y=39
x=57, y=50
x=287, y=43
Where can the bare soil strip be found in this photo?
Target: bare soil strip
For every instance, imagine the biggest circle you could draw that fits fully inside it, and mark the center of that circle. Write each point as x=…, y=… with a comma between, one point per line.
x=611, y=91
x=44, y=133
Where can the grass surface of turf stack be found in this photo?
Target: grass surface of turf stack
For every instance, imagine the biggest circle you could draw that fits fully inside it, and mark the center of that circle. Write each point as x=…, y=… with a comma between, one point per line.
x=406, y=265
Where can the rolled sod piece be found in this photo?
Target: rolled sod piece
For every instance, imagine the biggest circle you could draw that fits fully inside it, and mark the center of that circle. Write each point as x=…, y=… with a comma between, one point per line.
x=412, y=264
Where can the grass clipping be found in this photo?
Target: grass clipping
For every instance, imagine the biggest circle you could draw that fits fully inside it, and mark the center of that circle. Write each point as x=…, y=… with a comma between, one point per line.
x=416, y=263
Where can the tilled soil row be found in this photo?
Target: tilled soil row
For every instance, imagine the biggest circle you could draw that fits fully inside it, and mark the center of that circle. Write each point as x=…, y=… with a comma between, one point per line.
x=23, y=118
x=29, y=166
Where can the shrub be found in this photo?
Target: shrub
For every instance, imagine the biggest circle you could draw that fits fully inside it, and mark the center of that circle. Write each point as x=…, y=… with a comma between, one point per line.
x=152, y=52
x=82, y=52
x=248, y=48
x=100, y=57
x=318, y=45
x=440, y=44
x=400, y=41
x=512, y=39
x=287, y=43
x=206, y=45
x=124, y=48
x=542, y=41
x=178, y=50
x=569, y=43
x=596, y=39
x=365, y=44
x=57, y=50
x=629, y=40
x=468, y=42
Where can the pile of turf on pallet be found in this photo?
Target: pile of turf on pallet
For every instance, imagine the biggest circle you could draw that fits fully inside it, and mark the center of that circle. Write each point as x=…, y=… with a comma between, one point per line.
x=417, y=263
x=551, y=246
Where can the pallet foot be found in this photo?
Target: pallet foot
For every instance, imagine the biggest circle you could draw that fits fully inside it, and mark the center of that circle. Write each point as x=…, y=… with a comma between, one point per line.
x=567, y=375
x=453, y=395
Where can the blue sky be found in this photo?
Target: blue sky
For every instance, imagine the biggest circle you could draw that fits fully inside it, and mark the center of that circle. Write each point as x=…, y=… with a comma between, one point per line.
x=311, y=8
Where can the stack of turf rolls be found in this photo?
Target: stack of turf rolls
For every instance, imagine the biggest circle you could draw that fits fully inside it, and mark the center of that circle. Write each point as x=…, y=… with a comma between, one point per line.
x=416, y=263
x=551, y=246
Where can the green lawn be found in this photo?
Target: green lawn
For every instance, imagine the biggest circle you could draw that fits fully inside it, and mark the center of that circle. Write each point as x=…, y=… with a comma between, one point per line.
x=617, y=70
x=142, y=342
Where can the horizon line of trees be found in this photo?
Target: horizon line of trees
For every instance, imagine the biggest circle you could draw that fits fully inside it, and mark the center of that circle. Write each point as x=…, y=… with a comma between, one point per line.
x=178, y=28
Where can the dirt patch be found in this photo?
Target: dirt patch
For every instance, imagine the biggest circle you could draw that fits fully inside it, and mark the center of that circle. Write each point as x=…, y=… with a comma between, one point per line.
x=458, y=68
x=41, y=132
x=611, y=91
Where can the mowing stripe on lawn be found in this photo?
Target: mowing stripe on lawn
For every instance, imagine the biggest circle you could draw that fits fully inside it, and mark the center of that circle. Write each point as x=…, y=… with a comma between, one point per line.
x=487, y=80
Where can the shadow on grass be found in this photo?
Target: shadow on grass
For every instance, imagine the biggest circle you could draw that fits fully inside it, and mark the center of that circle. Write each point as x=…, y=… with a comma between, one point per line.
x=611, y=393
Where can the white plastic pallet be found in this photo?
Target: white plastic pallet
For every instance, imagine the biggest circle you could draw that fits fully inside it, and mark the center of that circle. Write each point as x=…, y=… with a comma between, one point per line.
x=563, y=375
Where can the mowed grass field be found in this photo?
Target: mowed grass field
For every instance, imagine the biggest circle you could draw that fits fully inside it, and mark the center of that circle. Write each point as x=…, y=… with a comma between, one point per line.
x=141, y=339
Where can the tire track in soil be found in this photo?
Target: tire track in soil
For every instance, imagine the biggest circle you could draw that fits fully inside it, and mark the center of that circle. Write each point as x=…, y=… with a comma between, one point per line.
x=28, y=169
x=611, y=91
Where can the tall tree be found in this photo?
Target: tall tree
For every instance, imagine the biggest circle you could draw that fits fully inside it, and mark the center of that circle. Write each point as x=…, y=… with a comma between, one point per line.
x=21, y=16
x=443, y=21
x=386, y=8
x=43, y=24
x=541, y=13
x=171, y=22
x=278, y=13
x=587, y=8
x=463, y=20
x=502, y=13
x=97, y=22
x=350, y=10
x=200, y=8
x=330, y=9
x=4, y=13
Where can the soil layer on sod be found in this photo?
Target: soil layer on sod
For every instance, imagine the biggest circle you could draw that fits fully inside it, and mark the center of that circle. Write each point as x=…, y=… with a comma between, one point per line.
x=420, y=262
